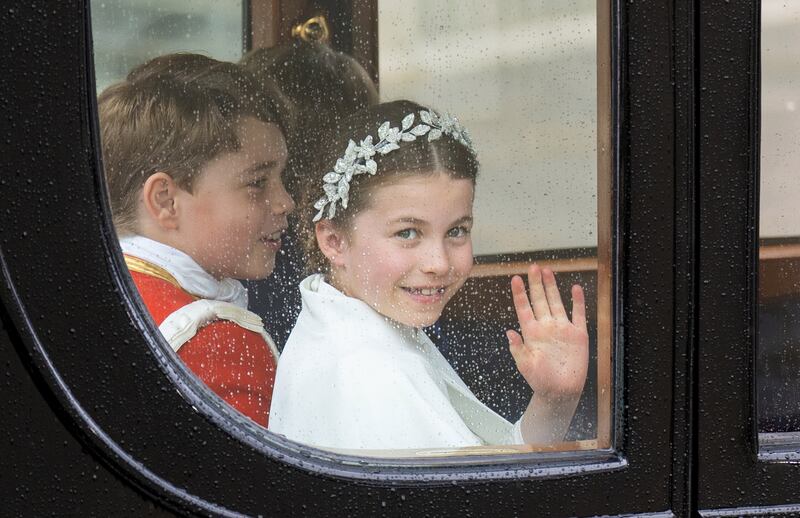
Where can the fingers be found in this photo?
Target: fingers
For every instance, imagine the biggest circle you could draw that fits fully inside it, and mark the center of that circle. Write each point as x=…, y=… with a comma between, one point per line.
x=545, y=300
x=541, y=309
x=578, y=307
x=521, y=303
x=514, y=339
x=553, y=296
x=515, y=343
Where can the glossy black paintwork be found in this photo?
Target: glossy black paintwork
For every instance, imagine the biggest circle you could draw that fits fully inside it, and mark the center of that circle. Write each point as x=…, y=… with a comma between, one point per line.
x=99, y=419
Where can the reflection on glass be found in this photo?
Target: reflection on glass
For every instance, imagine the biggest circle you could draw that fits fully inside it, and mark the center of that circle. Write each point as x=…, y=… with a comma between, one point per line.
x=197, y=191
x=778, y=354
x=128, y=33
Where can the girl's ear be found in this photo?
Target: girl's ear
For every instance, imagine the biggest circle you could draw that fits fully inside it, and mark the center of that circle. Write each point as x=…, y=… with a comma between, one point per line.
x=331, y=241
x=159, y=193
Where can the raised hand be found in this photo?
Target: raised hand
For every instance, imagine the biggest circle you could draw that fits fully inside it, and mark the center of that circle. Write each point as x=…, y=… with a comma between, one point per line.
x=552, y=353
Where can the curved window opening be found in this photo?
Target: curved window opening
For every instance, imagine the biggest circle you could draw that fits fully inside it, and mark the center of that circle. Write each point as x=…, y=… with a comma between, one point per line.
x=211, y=224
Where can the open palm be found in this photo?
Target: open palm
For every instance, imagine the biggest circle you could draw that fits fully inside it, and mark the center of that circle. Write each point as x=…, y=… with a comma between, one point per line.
x=552, y=353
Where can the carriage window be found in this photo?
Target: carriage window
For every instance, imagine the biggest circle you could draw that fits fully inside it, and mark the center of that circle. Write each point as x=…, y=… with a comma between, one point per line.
x=384, y=230
x=126, y=33
x=778, y=353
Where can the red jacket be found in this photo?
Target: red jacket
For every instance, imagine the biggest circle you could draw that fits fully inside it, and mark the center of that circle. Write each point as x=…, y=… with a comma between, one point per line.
x=237, y=364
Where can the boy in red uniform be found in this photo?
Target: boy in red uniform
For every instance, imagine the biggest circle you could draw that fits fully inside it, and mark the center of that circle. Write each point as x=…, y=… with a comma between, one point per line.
x=193, y=162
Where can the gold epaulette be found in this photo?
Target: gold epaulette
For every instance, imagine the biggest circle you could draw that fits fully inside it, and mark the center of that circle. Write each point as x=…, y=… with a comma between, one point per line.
x=141, y=266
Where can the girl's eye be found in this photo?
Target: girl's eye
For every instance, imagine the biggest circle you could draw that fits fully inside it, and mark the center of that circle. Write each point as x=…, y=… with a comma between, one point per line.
x=458, y=232
x=408, y=233
x=257, y=184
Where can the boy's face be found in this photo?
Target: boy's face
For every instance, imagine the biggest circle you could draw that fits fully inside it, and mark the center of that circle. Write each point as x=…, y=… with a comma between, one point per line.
x=231, y=224
x=410, y=251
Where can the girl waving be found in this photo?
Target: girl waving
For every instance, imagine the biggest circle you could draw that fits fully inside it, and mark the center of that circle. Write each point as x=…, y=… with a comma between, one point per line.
x=389, y=232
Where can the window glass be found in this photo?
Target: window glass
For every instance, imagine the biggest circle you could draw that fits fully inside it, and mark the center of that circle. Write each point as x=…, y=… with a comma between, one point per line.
x=778, y=354
x=127, y=33
x=524, y=76
x=219, y=164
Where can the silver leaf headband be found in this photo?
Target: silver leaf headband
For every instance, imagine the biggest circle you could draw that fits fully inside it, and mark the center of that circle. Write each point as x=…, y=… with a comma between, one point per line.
x=357, y=158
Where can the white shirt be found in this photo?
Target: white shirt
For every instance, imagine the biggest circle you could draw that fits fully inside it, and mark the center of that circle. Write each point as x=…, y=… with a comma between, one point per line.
x=350, y=378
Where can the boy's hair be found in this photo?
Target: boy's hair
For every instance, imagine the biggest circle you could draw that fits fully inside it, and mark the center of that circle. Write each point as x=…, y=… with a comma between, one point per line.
x=174, y=114
x=419, y=157
x=263, y=94
x=323, y=87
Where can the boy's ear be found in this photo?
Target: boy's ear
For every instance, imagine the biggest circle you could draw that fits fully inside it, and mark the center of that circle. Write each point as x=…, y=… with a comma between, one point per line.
x=331, y=241
x=159, y=193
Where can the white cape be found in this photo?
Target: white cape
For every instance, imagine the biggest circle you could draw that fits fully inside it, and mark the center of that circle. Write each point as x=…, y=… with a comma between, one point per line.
x=349, y=378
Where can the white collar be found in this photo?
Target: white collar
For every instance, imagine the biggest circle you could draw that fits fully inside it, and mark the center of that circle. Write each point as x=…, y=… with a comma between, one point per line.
x=327, y=304
x=186, y=271
x=351, y=321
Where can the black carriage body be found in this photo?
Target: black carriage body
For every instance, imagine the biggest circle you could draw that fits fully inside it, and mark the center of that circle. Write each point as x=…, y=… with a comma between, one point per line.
x=98, y=423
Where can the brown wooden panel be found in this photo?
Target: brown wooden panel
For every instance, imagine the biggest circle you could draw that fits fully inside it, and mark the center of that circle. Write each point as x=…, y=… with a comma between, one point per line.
x=779, y=277
x=605, y=185
x=264, y=16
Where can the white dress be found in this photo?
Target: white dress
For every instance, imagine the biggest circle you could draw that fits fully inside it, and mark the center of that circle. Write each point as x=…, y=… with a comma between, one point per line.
x=350, y=378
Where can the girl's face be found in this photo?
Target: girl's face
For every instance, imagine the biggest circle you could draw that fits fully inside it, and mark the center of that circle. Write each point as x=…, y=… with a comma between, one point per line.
x=408, y=253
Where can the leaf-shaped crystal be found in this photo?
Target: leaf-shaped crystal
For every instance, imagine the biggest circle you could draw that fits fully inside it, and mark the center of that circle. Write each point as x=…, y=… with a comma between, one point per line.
x=434, y=134
x=342, y=165
x=383, y=130
x=331, y=177
x=366, y=149
x=445, y=120
x=408, y=120
x=372, y=166
x=425, y=116
x=350, y=153
x=332, y=211
x=420, y=129
x=319, y=215
x=407, y=137
x=320, y=203
x=393, y=135
x=331, y=190
x=344, y=190
x=366, y=152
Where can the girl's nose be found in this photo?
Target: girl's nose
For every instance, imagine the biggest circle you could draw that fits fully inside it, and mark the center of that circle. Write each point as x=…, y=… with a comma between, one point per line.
x=436, y=260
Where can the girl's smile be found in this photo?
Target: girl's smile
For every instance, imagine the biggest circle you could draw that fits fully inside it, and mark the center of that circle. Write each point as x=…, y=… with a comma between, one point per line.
x=408, y=253
x=426, y=295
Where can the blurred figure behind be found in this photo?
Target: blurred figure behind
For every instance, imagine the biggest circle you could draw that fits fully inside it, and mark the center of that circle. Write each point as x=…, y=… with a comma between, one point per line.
x=322, y=86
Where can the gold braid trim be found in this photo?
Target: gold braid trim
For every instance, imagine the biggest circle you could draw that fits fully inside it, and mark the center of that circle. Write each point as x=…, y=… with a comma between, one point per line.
x=141, y=266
